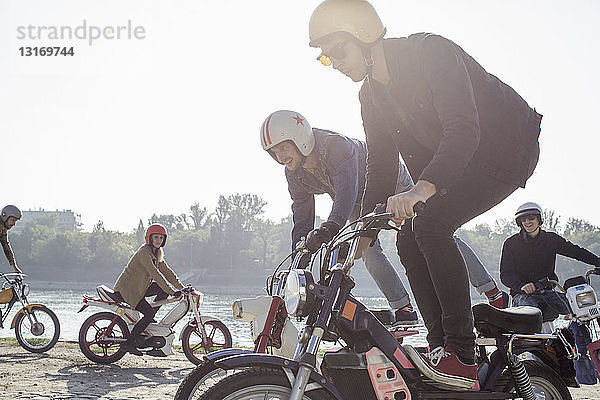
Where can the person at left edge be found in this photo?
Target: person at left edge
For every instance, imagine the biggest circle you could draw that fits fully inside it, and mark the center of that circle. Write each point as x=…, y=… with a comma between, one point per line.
x=9, y=217
x=147, y=274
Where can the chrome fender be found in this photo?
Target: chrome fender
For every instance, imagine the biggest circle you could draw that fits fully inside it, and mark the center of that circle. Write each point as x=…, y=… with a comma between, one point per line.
x=203, y=318
x=22, y=311
x=289, y=367
x=224, y=353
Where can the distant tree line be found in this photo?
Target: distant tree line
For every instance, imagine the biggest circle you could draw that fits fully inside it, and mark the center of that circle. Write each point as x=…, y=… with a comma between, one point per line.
x=232, y=237
x=234, y=240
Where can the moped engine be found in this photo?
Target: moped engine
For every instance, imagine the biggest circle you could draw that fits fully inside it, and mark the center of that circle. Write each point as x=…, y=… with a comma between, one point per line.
x=348, y=372
x=364, y=376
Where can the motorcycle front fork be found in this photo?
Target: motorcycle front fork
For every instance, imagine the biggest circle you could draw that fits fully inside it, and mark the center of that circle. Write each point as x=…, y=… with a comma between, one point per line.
x=198, y=321
x=308, y=362
x=29, y=313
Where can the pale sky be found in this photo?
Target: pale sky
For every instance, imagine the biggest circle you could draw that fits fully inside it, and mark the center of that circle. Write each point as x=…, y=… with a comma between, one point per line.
x=130, y=127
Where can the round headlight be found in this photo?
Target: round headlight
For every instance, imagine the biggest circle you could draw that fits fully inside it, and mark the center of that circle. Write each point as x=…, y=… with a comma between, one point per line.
x=25, y=291
x=585, y=299
x=297, y=298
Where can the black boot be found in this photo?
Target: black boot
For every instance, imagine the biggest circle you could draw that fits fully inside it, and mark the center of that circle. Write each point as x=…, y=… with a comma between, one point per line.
x=130, y=346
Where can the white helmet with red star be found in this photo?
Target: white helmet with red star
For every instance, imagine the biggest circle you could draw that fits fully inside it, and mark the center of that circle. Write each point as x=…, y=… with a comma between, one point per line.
x=285, y=125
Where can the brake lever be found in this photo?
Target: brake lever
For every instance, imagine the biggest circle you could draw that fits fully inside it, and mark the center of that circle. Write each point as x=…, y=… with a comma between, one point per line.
x=380, y=210
x=543, y=284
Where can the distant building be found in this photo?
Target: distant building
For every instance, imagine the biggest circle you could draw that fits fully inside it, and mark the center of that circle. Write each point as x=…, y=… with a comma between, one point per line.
x=66, y=220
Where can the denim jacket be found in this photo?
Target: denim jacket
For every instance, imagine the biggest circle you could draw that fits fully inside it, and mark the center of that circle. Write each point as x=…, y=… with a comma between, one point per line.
x=342, y=161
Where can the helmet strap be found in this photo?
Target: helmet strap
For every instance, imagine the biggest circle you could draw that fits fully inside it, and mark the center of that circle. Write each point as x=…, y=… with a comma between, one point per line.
x=368, y=57
x=369, y=62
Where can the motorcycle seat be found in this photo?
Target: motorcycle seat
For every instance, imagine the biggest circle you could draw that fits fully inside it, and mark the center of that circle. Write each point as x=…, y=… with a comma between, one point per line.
x=108, y=294
x=492, y=321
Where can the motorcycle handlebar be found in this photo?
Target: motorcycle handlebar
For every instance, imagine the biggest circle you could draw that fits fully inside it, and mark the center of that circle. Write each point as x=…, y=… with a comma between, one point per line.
x=595, y=271
x=380, y=212
x=545, y=284
x=380, y=217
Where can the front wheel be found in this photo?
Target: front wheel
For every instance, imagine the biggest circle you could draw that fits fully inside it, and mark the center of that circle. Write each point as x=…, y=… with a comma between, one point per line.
x=259, y=383
x=217, y=337
x=37, y=330
x=97, y=337
x=546, y=384
x=201, y=379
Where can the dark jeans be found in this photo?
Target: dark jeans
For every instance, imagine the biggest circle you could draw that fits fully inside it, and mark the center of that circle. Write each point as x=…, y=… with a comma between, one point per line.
x=434, y=266
x=551, y=303
x=147, y=310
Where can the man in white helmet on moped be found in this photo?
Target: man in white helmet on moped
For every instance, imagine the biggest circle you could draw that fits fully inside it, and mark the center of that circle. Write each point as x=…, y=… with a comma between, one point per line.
x=319, y=161
x=529, y=256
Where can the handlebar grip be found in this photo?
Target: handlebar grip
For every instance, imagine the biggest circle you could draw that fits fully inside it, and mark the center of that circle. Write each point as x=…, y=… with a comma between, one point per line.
x=419, y=207
x=543, y=284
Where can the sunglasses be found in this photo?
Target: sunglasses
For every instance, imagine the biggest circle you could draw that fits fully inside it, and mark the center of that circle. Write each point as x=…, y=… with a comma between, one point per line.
x=338, y=52
x=524, y=218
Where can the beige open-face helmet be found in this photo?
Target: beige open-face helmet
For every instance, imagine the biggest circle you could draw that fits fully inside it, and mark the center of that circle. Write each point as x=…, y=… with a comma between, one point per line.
x=285, y=125
x=357, y=18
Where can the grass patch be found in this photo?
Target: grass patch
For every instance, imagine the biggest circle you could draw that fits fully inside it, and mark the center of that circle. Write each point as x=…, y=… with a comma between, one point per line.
x=9, y=341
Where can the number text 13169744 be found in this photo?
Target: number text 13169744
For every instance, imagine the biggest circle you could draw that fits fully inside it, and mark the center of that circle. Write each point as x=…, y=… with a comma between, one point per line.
x=46, y=51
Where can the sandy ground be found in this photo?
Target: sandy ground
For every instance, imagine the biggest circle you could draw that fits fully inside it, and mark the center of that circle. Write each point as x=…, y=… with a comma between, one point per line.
x=64, y=373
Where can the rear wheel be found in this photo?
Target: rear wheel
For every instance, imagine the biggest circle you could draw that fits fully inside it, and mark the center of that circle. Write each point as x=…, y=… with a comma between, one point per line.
x=37, y=331
x=258, y=383
x=218, y=337
x=97, y=334
x=546, y=383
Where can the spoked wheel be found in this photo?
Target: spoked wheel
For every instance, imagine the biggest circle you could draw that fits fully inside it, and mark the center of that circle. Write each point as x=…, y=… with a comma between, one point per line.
x=546, y=384
x=97, y=334
x=218, y=337
x=200, y=380
x=37, y=331
x=259, y=383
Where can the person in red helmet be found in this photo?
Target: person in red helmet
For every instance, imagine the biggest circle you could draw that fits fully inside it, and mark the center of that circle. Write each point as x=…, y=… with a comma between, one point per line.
x=147, y=274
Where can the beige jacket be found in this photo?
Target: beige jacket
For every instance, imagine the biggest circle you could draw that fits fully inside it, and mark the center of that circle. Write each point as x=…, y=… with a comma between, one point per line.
x=143, y=268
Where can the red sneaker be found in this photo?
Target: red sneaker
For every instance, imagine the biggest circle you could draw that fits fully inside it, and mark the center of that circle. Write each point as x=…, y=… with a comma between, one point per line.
x=443, y=366
x=498, y=298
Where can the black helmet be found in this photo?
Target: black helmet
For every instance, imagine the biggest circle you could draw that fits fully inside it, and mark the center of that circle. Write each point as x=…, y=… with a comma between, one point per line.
x=10, y=211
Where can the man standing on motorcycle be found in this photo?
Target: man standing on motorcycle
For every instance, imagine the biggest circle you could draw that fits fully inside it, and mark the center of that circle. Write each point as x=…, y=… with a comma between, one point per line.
x=147, y=274
x=530, y=256
x=9, y=217
x=468, y=140
x=318, y=161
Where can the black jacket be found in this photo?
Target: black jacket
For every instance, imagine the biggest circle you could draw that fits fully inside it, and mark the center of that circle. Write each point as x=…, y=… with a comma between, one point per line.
x=443, y=113
x=527, y=260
